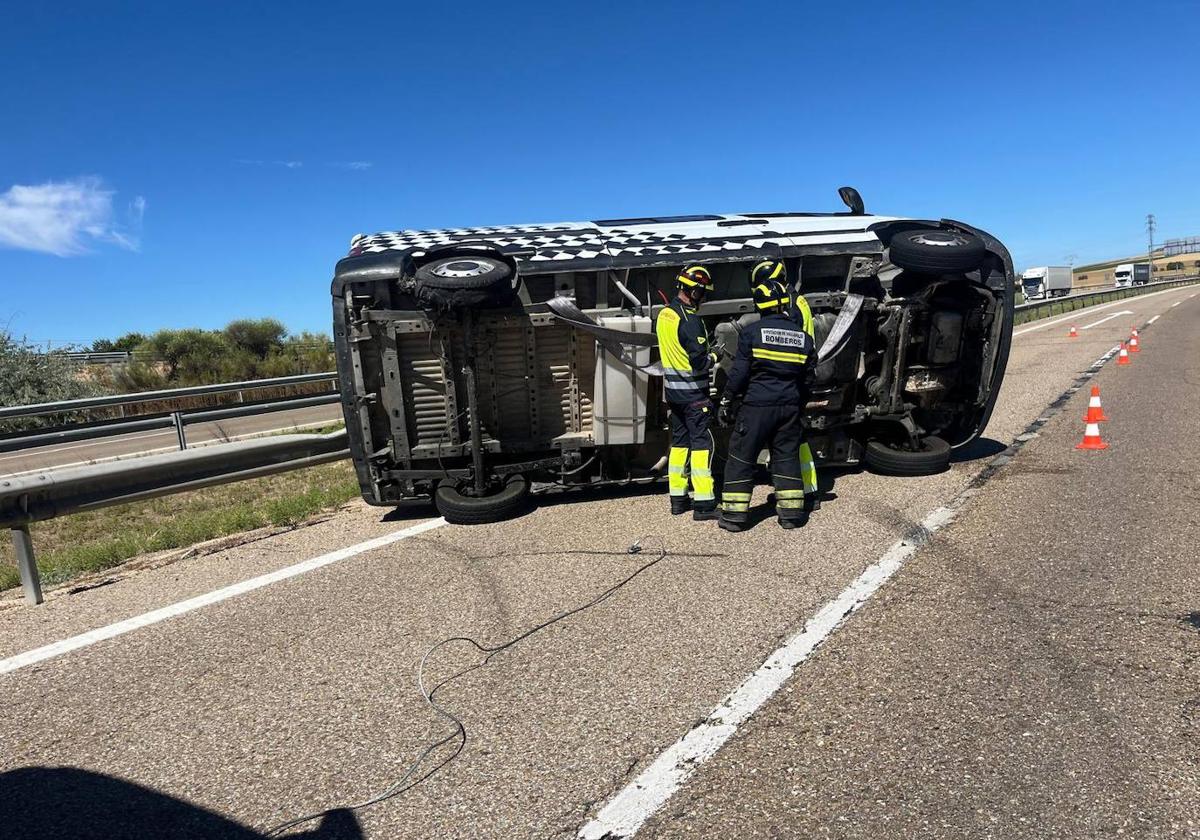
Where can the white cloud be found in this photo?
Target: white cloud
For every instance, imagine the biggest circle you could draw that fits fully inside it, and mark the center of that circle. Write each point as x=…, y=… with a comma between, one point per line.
x=286, y=164
x=356, y=165
x=65, y=217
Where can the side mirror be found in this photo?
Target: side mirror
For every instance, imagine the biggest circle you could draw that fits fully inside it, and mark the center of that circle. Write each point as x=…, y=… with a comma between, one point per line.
x=853, y=200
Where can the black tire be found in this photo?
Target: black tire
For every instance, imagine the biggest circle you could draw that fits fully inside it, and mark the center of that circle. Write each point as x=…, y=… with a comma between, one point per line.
x=936, y=251
x=508, y=501
x=468, y=272
x=933, y=457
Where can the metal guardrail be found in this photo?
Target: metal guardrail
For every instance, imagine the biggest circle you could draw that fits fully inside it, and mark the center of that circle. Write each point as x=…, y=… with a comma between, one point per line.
x=1061, y=305
x=53, y=493
x=68, y=406
x=87, y=357
x=177, y=420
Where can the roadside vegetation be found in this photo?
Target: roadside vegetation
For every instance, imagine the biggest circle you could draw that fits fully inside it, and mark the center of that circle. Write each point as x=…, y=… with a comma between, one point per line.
x=245, y=349
x=30, y=375
x=248, y=349
x=84, y=543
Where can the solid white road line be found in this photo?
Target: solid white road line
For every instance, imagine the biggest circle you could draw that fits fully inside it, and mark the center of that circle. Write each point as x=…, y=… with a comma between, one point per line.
x=91, y=637
x=1089, y=310
x=625, y=813
x=1107, y=318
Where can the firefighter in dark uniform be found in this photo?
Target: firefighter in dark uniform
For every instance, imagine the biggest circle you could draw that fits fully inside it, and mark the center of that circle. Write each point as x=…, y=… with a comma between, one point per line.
x=769, y=376
x=687, y=361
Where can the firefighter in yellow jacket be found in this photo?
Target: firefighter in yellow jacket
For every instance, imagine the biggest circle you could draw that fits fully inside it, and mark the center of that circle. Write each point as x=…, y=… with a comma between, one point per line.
x=687, y=361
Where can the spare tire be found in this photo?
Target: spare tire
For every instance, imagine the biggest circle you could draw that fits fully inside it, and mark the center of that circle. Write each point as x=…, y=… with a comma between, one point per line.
x=505, y=501
x=932, y=457
x=464, y=281
x=936, y=251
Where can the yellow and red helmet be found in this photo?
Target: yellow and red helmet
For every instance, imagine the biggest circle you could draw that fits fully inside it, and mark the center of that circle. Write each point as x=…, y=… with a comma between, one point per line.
x=695, y=276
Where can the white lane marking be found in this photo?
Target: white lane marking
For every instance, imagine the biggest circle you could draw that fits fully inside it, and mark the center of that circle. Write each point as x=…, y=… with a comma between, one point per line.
x=625, y=813
x=1074, y=316
x=1152, y=320
x=24, y=453
x=1176, y=303
x=125, y=456
x=91, y=637
x=1107, y=318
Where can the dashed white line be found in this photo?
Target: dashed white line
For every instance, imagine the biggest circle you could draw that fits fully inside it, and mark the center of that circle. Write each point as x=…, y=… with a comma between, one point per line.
x=1176, y=303
x=1074, y=316
x=22, y=660
x=1152, y=320
x=624, y=814
x=1107, y=318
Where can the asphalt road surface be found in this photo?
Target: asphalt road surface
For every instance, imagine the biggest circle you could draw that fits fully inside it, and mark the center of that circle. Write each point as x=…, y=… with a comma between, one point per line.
x=164, y=440
x=1030, y=672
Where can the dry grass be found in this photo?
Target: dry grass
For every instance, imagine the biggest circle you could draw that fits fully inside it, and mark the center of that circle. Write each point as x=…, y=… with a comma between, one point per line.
x=88, y=542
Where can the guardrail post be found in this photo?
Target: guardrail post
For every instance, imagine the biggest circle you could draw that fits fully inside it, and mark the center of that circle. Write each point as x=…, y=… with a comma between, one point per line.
x=177, y=419
x=31, y=581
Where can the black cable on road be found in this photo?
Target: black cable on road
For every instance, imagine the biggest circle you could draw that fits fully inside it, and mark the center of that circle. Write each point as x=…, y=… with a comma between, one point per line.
x=410, y=778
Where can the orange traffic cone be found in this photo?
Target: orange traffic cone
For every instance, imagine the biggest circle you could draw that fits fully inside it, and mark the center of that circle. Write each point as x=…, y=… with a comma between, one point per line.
x=1072, y=333
x=1091, y=438
x=1095, y=413
x=1123, y=359
x=1133, y=343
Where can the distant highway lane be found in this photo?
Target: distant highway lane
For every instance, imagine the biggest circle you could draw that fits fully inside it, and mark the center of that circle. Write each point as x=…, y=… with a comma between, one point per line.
x=1023, y=674
x=143, y=443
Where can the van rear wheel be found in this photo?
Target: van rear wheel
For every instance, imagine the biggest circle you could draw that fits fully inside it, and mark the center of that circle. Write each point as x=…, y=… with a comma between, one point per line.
x=936, y=251
x=504, y=500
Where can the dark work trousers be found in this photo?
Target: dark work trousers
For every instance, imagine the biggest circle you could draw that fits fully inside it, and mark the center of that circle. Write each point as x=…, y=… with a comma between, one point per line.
x=691, y=450
x=774, y=427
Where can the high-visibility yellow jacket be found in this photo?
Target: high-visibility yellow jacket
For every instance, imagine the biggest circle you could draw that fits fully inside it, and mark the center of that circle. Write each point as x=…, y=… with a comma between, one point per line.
x=683, y=346
x=802, y=314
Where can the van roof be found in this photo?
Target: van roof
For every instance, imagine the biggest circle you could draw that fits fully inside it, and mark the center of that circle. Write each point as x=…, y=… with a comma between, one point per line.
x=569, y=246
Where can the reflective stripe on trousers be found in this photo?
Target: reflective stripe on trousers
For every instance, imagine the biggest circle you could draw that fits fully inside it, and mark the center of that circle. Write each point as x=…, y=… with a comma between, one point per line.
x=677, y=470
x=702, y=478
x=808, y=468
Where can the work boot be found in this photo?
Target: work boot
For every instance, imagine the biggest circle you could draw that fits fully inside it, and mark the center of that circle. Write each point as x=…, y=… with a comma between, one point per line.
x=680, y=504
x=705, y=514
x=731, y=525
x=812, y=502
x=793, y=522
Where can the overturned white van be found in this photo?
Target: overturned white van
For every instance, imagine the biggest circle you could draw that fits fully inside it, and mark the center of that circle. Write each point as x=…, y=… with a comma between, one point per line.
x=475, y=362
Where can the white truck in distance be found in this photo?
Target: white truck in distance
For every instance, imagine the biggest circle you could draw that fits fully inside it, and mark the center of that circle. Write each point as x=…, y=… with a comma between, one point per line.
x=1131, y=274
x=1047, y=281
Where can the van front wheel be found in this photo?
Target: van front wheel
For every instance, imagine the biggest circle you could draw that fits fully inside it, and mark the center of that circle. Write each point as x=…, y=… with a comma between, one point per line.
x=932, y=457
x=504, y=500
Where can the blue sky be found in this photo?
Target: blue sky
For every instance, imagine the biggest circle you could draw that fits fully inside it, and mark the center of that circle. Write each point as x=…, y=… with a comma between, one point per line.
x=170, y=164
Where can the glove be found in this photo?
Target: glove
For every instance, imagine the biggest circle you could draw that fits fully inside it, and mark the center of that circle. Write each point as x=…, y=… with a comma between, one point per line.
x=726, y=414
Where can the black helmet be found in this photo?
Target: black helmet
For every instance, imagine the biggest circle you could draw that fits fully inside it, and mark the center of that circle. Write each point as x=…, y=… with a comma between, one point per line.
x=771, y=295
x=768, y=270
